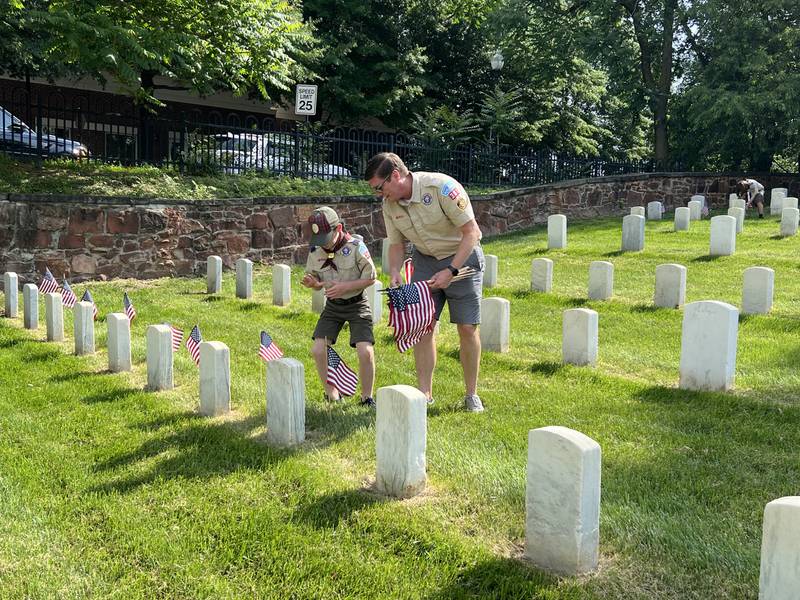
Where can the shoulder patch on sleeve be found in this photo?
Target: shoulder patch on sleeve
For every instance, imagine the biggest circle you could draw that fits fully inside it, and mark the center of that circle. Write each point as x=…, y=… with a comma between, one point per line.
x=362, y=249
x=451, y=189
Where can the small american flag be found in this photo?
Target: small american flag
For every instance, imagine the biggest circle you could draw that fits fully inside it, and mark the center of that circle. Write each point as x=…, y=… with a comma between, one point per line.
x=68, y=297
x=408, y=270
x=411, y=312
x=268, y=350
x=49, y=283
x=177, y=337
x=87, y=297
x=340, y=375
x=193, y=344
x=128, y=306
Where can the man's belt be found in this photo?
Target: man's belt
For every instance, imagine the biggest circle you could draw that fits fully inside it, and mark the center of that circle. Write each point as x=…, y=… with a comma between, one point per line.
x=346, y=301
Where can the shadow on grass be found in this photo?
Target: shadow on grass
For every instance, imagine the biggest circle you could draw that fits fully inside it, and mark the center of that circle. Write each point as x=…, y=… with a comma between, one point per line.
x=12, y=342
x=522, y=294
x=548, y=368
x=212, y=299
x=498, y=578
x=777, y=236
x=111, y=395
x=537, y=252
x=44, y=356
x=646, y=308
x=249, y=306
x=291, y=314
x=615, y=253
x=329, y=510
x=705, y=258
x=575, y=302
x=75, y=375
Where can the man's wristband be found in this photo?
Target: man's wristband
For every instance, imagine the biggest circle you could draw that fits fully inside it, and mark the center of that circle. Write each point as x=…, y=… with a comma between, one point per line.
x=453, y=270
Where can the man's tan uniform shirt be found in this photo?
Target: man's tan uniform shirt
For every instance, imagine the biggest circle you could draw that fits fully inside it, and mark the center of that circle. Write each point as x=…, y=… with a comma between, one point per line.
x=352, y=262
x=432, y=218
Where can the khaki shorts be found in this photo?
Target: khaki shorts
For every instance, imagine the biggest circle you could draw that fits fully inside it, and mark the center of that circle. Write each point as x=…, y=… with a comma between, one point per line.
x=335, y=315
x=463, y=297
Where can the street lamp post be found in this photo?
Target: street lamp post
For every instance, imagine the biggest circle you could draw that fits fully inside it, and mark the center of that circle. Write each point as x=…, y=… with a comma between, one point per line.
x=497, y=61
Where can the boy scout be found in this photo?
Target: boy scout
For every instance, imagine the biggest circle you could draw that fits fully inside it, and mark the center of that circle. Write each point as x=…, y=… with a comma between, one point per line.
x=342, y=265
x=433, y=212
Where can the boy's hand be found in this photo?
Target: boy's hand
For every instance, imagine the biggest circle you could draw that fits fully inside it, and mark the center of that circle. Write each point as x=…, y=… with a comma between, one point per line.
x=310, y=281
x=336, y=289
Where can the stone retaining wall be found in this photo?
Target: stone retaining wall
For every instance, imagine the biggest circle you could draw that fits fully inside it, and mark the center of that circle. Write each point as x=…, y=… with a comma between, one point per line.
x=98, y=238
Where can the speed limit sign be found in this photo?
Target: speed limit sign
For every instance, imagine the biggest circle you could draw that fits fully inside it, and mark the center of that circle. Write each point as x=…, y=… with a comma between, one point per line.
x=305, y=102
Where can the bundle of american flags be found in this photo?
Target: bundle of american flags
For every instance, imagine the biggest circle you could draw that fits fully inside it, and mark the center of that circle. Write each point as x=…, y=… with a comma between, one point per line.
x=340, y=375
x=268, y=350
x=411, y=312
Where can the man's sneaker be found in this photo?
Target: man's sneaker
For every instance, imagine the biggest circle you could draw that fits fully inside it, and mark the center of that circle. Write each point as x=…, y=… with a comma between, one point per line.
x=473, y=403
x=368, y=401
x=430, y=400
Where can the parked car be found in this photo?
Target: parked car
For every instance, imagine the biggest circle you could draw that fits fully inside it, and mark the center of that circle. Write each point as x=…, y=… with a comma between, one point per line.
x=17, y=138
x=273, y=152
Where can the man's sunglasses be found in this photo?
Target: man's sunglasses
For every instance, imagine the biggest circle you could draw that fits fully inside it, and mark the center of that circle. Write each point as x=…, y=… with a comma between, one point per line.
x=379, y=188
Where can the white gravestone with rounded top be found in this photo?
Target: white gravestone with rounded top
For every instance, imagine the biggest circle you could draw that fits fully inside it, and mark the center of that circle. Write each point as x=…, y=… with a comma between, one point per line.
x=556, y=231
x=215, y=379
x=737, y=213
x=54, y=316
x=789, y=221
x=789, y=202
x=776, y=200
x=490, y=275
x=244, y=278
x=731, y=197
x=541, y=274
x=738, y=203
x=757, y=290
x=708, y=346
x=579, y=337
x=638, y=210
x=601, y=280
x=682, y=218
x=318, y=301
x=632, y=233
x=11, y=292
x=723, y=236
x=654, y=210
x=699, y=198
x=286, y=402
x=281, y=285
x=119, y=342
x=562, y=501
x=159, y=357
x=30, y=306
x=400, y=441
x=495, y=324
x=670, y=286
x=83, y=327
x=214, y=274
x=695, y=210
x=780, y=552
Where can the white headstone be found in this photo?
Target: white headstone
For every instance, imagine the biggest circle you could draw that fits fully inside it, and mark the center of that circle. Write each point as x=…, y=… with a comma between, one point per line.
x=695, y=210
x=385, y=255
x=400, y=441
x=11, y=292
x=737, y=213
x=708, y=346
x=376, y=300
x=318, y=300
x=490, y=275
x=638, y=210
x=780, y=552
x=757, y=290
x=541, y=275
x=731, y=197
x=579, y=337
x=723, y=236
x=214, y=274
x=562, y=501
x=215, y=379
x=495, y=324
x=682, y=218
x=286, y=402
x=670, y=286
x=557, y=231
x=789, y=221
x=601, y=280
x=738, y=203
x=54, y=316
x=244, y=278
x=699, y=198
x=632, y=233
x=159, y=357
x=654, y=210
x=281, y=285
x=30, y=306
x=776, y=200
x=119, y=342
x=83, y=325
x=790, y=202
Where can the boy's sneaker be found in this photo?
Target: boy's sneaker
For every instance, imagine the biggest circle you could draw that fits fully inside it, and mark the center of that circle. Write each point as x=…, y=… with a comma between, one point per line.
x=368, y=401
x=326, y=398
x=473, y=403
x=430, y=400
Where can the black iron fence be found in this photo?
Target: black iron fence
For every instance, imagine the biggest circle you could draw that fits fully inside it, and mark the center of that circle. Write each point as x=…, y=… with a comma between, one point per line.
x=36, y=126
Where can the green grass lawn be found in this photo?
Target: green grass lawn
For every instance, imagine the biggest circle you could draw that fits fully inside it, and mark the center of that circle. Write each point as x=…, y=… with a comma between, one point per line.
x=107, y=491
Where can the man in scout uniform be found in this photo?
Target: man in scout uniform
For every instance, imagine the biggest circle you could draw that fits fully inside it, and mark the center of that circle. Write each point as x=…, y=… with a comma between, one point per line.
x=433, y=212
x=341, y=264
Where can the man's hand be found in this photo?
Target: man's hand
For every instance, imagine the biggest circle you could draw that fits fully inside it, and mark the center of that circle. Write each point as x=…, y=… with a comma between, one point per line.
x=310, y=281
x=395, y=280
x=441, y=279
x=337, y=289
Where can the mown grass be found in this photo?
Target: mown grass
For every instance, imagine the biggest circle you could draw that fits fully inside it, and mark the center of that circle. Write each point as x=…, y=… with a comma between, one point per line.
x=109, y=491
